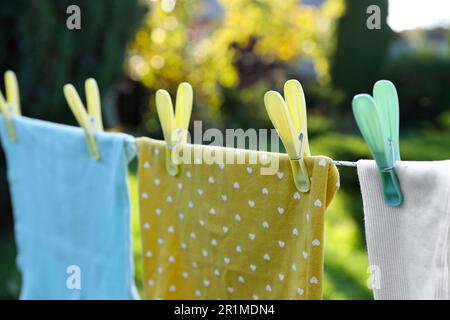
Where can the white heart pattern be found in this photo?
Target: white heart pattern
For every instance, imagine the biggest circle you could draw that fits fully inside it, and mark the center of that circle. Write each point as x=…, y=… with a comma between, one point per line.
x=212, y=211
x=251, y=236
x=211, y=179
x=315, y=243
x=249, y=170
x=280, y=210
x=300, y=291
x=237, y=217
x=266, y=257
x=225, y=229
x=147, y=165
x=322, y=162
x=180, y=185
x=252, y=267
x=313, y=280
x=157, y=181
x=226, y=260
x=230, y=289
x=224, y=197
x=305, y=254
x=296, y=196
x=216, y=272
x=206, y=283
x=268, y=288
x=170, y=229
x=295, y=232
x=238, y=248
x=236, y=185
x=184, y=274
x=158, y=211
x=318, y=203
x=214, y=242
x=144, y=195
x=265, y=191
x=280, y=175
x=265, y=225
x=281, y=244
x=241, y=279
x=280, y=276
x=200, y=192
x=251, y=203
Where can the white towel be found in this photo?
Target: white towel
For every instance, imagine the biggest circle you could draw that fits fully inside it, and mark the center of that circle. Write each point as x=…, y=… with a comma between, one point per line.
x=408, y=245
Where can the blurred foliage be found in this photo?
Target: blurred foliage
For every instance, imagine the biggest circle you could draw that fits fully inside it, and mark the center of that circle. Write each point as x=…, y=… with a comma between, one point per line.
x=423, y=82
x=45, y=55
x=218, y=49
x=360, y=52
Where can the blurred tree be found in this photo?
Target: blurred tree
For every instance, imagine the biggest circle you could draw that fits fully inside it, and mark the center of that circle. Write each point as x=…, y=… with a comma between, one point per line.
x=222, y=45
x=423, y=81
x=45, y=54
x=360, y=52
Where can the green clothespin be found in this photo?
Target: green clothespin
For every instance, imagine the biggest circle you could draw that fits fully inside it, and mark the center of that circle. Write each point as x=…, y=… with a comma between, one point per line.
x=378, y=120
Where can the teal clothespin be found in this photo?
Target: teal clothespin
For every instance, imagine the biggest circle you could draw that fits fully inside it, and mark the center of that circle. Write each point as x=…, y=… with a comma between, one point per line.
x=378, y=120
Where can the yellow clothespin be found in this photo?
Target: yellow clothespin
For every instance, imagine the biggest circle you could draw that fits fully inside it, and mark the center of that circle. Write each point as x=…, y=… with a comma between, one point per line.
x=289, y=118
x=90, y=121
x=10, y=106
x=175, y=127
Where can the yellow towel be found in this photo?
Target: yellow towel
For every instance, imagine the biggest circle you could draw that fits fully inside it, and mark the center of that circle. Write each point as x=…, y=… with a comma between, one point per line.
x=227, y=232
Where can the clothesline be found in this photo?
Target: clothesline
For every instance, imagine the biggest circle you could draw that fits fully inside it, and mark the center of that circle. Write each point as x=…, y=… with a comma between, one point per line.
x=344, y=163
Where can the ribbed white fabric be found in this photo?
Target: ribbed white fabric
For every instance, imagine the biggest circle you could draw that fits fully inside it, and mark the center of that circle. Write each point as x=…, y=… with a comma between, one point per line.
x=408, y=245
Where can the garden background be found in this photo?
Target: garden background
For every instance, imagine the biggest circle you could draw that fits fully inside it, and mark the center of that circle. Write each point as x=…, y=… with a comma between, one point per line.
x=232, y=52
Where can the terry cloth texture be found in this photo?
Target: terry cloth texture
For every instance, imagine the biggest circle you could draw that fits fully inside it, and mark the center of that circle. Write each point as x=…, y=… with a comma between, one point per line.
x=71, y=213
x=224, y=231
x=409, y=245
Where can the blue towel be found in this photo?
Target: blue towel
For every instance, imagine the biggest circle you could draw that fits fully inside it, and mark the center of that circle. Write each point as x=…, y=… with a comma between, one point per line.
x=71, y=212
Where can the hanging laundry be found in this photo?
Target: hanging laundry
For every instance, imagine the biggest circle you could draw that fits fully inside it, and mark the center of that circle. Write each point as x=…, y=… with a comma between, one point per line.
x=226, y=232
x=71, y=212
x=408, y=245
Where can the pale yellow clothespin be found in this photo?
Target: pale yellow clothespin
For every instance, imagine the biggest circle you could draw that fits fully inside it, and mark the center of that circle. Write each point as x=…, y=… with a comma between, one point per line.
x=175, y=127
x=10, y=106
x=289, y=118
x=90, y=121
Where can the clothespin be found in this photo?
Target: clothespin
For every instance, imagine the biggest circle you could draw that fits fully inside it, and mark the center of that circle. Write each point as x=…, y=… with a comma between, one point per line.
x=90, y=121
x=175, y=127
x=378, y=120
x=289, y=119
x=10, y=106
